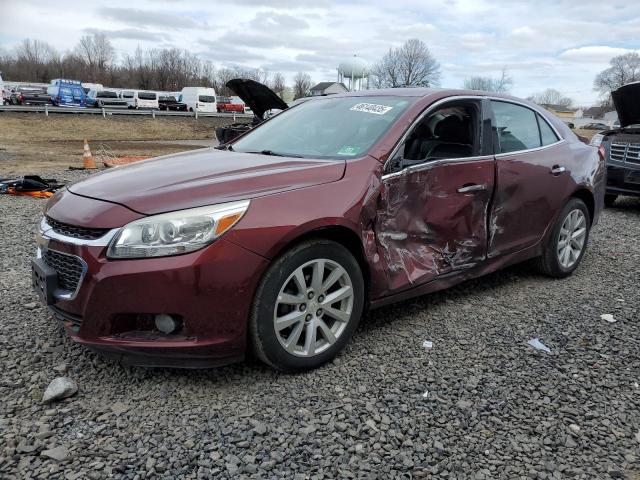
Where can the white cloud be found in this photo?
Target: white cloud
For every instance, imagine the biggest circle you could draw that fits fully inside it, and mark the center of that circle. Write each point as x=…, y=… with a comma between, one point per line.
x=593, y=54
x=558, y=44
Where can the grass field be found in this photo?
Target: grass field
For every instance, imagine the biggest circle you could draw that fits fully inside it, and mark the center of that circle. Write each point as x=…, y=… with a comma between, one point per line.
x=32, y=143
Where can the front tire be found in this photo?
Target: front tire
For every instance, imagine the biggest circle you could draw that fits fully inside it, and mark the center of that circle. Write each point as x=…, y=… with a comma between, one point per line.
x=568, y=240
x=307, y=306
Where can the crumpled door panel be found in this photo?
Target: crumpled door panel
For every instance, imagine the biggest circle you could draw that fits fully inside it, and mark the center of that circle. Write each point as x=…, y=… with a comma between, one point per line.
x=425, y=228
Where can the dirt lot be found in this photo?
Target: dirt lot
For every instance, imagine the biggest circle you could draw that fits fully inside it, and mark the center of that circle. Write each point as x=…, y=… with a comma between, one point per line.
x=481, y=404
x=32, y=143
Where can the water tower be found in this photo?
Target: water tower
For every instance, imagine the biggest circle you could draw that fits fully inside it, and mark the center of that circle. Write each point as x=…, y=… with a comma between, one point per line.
x=353, y=73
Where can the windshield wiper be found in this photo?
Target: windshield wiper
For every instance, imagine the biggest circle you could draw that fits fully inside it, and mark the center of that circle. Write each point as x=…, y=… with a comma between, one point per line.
x=276, y=154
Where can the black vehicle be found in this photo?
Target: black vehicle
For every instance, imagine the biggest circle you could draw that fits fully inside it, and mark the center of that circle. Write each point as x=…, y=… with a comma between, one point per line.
x=259, y=98
x=595, y=126
x=27, y=95
x=622, y=145
x=105, y=98
x=169, y=102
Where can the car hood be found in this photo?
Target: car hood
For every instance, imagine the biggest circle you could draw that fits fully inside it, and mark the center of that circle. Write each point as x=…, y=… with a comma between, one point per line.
x=257, y=96
x=204, y=177
x=627, y=102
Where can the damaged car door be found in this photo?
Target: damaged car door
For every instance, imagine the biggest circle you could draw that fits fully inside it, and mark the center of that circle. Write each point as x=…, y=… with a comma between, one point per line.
x=436, y=190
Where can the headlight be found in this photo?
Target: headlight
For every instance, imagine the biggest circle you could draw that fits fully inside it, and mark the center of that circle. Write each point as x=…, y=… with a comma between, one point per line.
x=175, y=233
x=596, y=140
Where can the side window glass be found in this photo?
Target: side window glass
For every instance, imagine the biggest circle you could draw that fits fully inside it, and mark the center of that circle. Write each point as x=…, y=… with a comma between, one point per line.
x=449, y=132
x=547, y=135
x=517, y=127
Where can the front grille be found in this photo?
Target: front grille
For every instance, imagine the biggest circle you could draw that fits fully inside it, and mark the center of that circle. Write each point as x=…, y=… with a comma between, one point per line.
x=625, y=152
x=74, y=231
x=68, y=267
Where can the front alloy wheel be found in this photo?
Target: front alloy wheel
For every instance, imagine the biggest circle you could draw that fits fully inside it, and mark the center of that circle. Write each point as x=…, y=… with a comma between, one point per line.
x=307, y=306
x=313, y=307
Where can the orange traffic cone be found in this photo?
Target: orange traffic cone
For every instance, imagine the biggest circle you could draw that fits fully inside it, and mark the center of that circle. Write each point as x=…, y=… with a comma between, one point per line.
x=88, y=163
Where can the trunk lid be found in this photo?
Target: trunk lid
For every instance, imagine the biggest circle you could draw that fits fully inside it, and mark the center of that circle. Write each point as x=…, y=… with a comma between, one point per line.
x=257, y=96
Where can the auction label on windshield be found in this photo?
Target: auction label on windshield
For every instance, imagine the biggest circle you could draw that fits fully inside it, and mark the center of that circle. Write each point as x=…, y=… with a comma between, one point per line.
x=371, y=108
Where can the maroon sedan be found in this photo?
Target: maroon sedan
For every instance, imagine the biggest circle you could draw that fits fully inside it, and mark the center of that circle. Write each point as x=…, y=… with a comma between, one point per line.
x=276, y=243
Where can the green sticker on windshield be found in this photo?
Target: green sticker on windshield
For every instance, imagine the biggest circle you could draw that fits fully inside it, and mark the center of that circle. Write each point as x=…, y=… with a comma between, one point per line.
x=348, y=150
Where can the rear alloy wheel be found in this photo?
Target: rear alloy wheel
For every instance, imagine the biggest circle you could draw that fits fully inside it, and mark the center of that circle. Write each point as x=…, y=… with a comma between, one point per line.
x=568, y=240
x=307, y=306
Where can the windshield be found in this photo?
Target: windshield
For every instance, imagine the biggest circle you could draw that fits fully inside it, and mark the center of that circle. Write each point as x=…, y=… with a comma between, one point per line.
x=206, y=99
x=222, y=100
x=326, y=128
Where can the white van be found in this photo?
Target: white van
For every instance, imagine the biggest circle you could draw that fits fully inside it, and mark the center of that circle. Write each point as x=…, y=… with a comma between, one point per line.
x=199, y=98
x=140, y=99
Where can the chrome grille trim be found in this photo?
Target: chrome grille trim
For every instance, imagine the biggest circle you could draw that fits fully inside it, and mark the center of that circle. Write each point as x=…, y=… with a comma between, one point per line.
x=625, y=152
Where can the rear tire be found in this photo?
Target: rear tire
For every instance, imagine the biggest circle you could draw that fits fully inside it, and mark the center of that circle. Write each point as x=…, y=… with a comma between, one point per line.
x=307, y=306
x=610, y=199
x=567, y=242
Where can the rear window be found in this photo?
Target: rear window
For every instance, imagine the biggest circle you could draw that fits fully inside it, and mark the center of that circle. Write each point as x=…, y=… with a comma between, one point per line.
x=222, y=100
x=146, y=95
x=547, y=135
x=167, y=98
x=206, y=99
x=517, y=127
x=107, y=94
x=127, y=94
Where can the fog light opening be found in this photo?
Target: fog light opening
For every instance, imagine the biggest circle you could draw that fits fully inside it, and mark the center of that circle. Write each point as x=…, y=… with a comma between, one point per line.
x=167, y=324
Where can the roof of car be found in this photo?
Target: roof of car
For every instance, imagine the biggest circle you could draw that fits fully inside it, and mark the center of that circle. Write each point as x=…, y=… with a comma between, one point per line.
x=425, y=92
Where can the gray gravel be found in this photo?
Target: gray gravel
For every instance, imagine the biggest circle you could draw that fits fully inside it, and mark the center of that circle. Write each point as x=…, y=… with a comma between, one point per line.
x=480, y=403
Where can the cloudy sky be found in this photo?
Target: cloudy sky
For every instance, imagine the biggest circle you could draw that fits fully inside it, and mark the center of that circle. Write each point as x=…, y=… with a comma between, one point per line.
x=560, y=44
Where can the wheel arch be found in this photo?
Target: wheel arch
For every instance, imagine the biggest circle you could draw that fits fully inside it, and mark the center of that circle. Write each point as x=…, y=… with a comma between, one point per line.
x=588, y=198
x=343, y=235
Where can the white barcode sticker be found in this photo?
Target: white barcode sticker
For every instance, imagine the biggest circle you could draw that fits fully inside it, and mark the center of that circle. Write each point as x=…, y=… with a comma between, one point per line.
x=371, y=108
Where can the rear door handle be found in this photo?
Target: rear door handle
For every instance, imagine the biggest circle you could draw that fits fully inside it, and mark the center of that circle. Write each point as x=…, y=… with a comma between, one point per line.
x=472, y=188
x=557, y=170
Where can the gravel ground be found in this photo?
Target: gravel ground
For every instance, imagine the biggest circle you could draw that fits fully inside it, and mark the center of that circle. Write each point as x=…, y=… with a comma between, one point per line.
x=480, y=404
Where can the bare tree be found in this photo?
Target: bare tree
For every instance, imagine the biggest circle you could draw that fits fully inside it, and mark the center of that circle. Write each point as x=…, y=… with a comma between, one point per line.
x=624, y=69
x=551, y=97
x=36, y=58
x=412, y=64
x=301, y=85
x=501, y=84
x=94, y=60
x=278, y=84
x=97, y=53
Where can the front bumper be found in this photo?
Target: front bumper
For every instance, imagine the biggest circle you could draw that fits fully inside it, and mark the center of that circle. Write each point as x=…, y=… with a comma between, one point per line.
x=618, y=180
x=211, y=290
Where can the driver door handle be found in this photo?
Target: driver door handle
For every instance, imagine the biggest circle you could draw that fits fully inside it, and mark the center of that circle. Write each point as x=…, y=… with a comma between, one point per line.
x=557, y=170
x=470, y=188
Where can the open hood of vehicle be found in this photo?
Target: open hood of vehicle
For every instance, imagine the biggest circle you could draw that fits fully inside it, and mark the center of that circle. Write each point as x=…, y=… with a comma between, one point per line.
x=257, y=96
x=204, y=177
x=627, y=102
